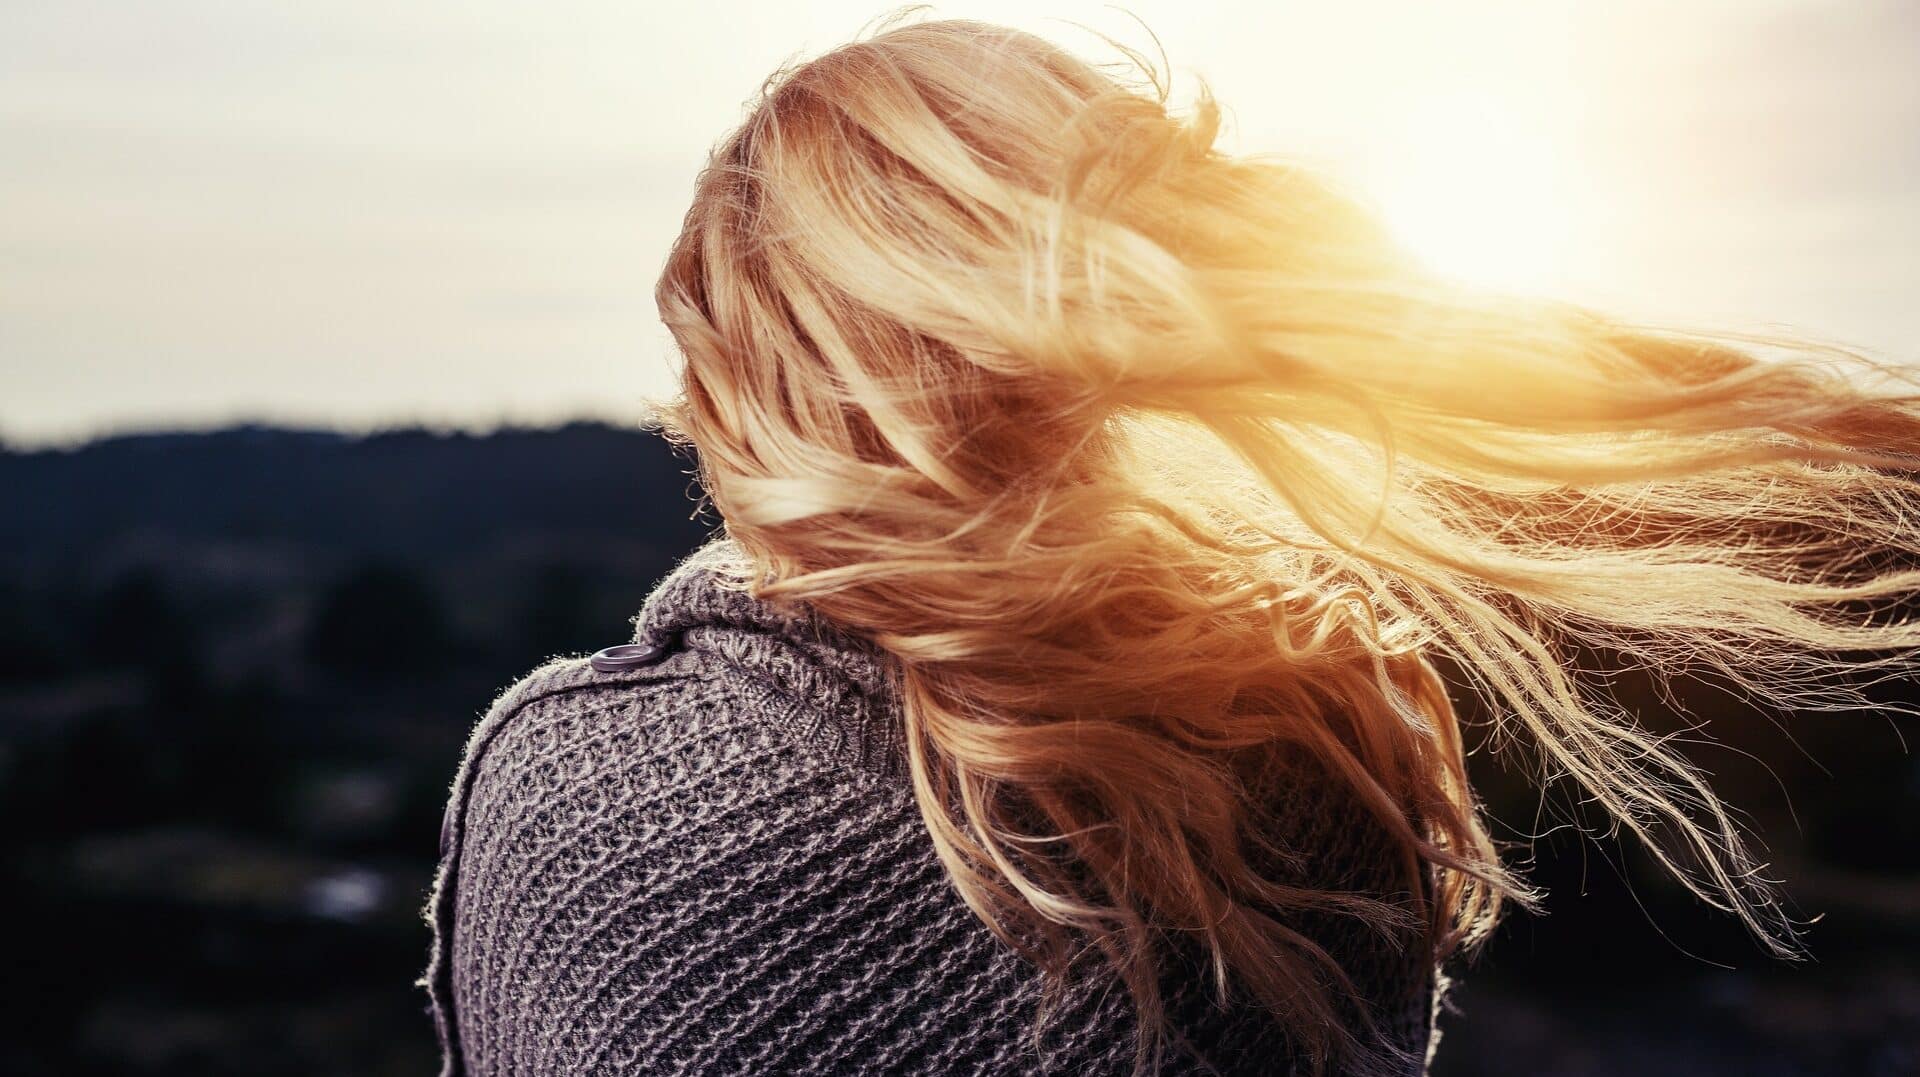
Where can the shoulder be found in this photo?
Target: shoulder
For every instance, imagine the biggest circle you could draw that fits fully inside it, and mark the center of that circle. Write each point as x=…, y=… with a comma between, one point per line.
x=573, y=728
x=569, y=748
x=568, y=742
x=601, y=821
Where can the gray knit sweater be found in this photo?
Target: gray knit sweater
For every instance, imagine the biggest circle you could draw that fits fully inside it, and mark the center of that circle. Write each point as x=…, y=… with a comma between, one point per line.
x=712, y=863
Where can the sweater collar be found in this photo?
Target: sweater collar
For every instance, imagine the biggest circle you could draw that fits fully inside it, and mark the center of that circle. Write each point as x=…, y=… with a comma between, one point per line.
x=845, y=683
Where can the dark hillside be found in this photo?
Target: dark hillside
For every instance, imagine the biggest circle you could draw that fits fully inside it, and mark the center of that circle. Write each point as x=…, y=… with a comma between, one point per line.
x=236, y=671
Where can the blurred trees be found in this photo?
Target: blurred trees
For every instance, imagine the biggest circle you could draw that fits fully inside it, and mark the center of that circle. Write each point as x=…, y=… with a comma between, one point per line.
x=554, y=614
x=381, y=618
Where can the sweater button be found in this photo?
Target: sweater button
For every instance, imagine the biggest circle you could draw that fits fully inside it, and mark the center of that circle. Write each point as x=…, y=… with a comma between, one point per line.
x=627, y=656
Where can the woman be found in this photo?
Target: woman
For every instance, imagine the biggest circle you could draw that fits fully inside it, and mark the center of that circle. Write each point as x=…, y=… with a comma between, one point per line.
x=1065, y=695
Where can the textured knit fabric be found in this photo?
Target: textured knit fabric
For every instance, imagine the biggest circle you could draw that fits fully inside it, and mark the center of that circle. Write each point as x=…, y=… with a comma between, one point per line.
x=714, y=864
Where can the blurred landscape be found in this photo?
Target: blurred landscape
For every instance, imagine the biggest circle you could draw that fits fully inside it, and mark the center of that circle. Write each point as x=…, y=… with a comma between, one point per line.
x=237, y=669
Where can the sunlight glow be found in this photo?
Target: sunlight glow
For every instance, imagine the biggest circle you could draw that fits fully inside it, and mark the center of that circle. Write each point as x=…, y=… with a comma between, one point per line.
x=1475, y=188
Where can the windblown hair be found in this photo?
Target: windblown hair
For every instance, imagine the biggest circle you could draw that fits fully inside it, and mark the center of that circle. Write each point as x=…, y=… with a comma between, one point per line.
x=1155, y=466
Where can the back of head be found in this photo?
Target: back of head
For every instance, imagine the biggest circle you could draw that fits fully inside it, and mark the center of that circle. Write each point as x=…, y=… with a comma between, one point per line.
x=1157, y=467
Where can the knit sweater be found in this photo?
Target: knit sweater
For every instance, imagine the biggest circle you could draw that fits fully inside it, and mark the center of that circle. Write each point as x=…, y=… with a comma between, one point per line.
x=713, y=863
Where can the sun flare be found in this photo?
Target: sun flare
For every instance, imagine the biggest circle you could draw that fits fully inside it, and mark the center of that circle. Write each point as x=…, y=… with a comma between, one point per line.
x=1474, y=186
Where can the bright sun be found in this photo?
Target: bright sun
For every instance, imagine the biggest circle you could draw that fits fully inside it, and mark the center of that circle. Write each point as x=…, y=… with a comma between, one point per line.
x=1475, y=187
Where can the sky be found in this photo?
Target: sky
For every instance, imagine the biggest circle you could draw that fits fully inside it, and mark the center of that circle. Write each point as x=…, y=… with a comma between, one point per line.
x=367, y=214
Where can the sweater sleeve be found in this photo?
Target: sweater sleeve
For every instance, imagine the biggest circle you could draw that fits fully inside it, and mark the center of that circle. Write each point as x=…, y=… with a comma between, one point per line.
x=665, y=879
x=492, y=814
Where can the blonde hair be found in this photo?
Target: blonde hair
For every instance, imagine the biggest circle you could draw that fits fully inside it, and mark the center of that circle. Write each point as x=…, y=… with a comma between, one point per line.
x=1153, y=464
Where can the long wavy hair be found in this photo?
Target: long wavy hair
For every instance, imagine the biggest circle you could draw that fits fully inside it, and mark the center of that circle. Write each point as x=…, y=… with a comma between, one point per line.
x=1155, y=466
